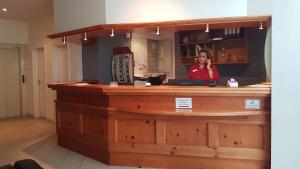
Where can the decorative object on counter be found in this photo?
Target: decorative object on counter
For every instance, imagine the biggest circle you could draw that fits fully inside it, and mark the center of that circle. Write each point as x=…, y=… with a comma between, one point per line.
x=232, y=83
x=113, y=84
x=122, y=65
x=139, y=83
x=212, y=83
x=148, y=84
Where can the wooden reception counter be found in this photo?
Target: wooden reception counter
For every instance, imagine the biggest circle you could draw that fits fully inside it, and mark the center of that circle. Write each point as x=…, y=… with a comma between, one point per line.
x=225, y=128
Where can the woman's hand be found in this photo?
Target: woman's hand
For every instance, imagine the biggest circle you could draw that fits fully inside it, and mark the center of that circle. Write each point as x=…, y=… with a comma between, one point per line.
x=208, y=61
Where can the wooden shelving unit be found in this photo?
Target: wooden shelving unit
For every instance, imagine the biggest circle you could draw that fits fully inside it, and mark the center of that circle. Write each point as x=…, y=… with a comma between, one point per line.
x=224, y=50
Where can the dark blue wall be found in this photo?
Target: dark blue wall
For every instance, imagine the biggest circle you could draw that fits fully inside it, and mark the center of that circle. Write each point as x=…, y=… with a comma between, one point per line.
x=96, y=59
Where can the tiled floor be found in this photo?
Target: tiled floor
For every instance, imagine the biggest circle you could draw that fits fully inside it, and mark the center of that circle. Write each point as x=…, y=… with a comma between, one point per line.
x=22, y=138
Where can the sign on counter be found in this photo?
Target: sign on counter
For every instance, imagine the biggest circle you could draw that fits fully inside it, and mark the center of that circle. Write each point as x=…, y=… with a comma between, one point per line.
x=183, y=103
x=252, y=104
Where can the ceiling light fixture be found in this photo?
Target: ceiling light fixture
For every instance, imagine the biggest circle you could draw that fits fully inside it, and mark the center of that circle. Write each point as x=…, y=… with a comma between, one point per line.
x=157, y=31
x=64, y=39
x=4, y=9
x=207, y=28
x=261, y=26
x=85, y=36
x=112, y=32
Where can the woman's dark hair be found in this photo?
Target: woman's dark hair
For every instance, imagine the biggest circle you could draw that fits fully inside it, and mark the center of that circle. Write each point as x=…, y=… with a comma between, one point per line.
x=204, y=51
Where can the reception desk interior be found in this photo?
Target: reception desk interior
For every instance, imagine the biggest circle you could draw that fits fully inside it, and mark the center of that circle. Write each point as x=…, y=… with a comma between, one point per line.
x=220, y=128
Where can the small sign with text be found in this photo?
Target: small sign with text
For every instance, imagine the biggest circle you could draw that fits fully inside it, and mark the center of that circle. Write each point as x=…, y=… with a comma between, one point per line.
x=252, y=104
x=183, y=103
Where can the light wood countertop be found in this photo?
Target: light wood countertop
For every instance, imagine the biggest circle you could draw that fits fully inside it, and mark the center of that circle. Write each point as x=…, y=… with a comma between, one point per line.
x=259, y=90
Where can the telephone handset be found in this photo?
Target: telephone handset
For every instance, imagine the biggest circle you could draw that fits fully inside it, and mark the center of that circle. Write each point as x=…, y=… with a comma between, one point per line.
x=205, y=63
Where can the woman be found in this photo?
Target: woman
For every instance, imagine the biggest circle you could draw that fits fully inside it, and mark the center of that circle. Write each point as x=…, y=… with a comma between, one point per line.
x=204, y=70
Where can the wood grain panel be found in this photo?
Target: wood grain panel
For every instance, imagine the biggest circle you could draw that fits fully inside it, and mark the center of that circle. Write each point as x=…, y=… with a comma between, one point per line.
x=186, y=133
x=200, y=103
x=213, y=135
x=160, y=132
x=135, y=131
x=241, y=135
x=70, y=121
x=95, y=127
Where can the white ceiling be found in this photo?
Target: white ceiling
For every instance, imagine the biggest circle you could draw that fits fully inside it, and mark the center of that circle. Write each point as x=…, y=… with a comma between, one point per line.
x=25, y=10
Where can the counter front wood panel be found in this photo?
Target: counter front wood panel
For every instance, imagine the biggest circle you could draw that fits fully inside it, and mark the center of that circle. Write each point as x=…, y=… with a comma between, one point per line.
x=125, y=126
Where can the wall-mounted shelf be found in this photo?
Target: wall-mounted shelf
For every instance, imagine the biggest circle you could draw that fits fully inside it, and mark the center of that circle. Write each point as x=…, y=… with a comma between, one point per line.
x=222, y=48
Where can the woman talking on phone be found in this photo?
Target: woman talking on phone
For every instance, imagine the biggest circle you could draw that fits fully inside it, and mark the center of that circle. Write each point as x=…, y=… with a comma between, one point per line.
x=204, y=69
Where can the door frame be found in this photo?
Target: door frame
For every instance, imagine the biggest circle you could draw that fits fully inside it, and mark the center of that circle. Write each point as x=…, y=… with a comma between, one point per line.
x=36, y=88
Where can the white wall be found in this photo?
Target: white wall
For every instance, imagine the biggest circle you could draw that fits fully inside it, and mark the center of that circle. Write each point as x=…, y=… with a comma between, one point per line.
x=13, y=32
x=122, y=11
x=75, y=59
x=38, y=30
x=259, y=7
x=139, y=48
x=74, y=14
x=285, y=84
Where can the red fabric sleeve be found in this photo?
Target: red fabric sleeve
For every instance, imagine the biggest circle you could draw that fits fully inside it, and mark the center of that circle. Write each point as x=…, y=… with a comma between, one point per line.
x=190, y=73
x=216, y=73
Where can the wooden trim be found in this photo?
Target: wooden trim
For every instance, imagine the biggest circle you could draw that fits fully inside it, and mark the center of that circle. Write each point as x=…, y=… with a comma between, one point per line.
x=160, y=132
x=267, y=138
x=101, y=108
x=213, y=135
x=81, y=124
x=199, y=114
x=187, y=90
x=194, y=151
x=173, y=24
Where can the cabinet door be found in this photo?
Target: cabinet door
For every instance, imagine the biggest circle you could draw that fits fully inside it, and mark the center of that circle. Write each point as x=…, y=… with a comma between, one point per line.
x=94, y=127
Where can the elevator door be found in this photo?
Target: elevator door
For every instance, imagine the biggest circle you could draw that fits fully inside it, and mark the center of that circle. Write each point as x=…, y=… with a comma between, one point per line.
x=10, y=99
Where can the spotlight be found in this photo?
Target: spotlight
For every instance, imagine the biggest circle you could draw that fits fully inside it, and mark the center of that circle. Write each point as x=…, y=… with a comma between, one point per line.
x=261, y=26
x=112, y=32
x=207, y=28
x=85, y=36
x=64, y=39
x=157, y=31
x=4, y=9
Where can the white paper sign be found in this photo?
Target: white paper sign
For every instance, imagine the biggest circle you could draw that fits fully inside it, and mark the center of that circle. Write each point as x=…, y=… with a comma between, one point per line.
x=184, y=111
x=252, y=104
x=183, y=103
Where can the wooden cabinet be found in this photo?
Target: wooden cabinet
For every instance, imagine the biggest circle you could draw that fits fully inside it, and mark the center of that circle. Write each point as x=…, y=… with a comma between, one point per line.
x=141, y=127
x=223, y=48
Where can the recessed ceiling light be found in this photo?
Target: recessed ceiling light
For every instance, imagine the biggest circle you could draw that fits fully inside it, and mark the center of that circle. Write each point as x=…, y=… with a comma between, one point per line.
x=4, y=9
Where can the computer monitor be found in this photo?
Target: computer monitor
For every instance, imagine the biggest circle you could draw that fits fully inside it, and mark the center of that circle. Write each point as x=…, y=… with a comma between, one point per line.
x=155, y=80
